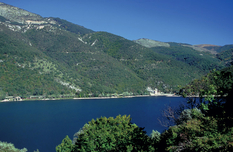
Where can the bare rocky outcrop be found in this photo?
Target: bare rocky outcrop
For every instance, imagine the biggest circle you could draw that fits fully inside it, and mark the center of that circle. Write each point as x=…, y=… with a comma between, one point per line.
x=201, y=49
x=20, y=20
x=151, y=43
x=16, y=14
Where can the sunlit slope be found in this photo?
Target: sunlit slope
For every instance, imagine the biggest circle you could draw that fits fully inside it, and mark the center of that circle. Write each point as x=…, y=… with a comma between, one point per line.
x=21, y=68
x=105, y=72
x=157, y=69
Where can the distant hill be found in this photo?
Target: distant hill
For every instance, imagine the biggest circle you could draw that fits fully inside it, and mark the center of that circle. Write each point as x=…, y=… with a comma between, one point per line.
x=152, y=43
x=204, y=61
x=52, y=57
x=210, y=46
x=221, y=48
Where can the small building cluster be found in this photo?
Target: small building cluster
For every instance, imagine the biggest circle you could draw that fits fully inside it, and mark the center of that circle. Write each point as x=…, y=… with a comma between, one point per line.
x=154, y=92
x=12, y=98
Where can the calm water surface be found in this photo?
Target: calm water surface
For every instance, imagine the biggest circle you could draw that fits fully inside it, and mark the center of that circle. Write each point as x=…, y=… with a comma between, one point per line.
x=43, y=124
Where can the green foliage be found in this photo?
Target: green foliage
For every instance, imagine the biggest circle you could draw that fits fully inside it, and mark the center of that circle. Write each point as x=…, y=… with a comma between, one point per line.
x=109, y=134
x=201, y=60
x=74, y=28
x=18, y=74
x=155, y=139
x=8, y=147
x=211, y=129
x=155, y=135
x=2, y=94
x=226, y=57
x=157, y=68
x=65, y=146
x=95, y=72
x=214, y=90
x=201, y=133
x=186, y=115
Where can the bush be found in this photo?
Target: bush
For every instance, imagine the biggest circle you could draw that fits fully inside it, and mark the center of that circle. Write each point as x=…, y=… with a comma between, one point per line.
x=65, y=146
x=201, y=133
x=186, y=115
x=109, y=134
x=9, y=147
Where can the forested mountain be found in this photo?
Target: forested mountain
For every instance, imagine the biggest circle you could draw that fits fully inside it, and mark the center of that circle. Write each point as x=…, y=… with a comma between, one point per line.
x=226, y=57
x=158, y=69
x=52, y=57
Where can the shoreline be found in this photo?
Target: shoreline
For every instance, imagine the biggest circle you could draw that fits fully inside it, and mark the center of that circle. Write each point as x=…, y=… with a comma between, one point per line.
x=87, y=98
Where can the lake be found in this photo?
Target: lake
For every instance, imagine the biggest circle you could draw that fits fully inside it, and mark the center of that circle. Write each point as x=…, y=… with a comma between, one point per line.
x=43, y=124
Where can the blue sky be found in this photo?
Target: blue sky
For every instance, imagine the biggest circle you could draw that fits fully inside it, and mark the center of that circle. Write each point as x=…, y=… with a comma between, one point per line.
x=184, y=21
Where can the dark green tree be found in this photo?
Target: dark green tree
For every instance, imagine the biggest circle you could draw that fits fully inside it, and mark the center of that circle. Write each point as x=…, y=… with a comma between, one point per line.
x=2, y=94
x=109, y=134
x=210, y=127
x=201, y=133
x=65, y=146
x=212, y=93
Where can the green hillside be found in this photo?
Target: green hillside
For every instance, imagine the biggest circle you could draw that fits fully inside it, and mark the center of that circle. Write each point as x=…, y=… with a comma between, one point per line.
x=74, y=28
x=19, y=73
x=106, y=73
x=53, y=57
x=226, y=57
x=158, y=70
x=204, y=61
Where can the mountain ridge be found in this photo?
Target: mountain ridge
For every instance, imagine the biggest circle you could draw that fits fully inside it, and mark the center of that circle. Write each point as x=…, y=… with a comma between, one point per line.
x=213, y=49
x=66, y=58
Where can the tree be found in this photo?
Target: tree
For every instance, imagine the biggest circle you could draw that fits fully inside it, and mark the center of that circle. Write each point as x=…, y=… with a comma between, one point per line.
x=201, y=133
x=2, y=94
x=208, y=126
x=109, y=134
x=214, y=91
x=65, y=146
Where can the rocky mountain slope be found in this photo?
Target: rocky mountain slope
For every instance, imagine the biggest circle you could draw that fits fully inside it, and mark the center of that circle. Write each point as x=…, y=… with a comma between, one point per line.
x=151, y=43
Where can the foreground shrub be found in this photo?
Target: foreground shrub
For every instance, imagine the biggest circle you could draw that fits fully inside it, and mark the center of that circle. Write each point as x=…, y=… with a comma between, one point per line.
x=65, y=146
x=201, y=133
x=8, y=147
x=108, y=134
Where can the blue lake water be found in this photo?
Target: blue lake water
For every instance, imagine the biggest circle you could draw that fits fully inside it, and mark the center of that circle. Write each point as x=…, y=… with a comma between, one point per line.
x=43, y=124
